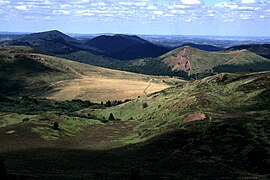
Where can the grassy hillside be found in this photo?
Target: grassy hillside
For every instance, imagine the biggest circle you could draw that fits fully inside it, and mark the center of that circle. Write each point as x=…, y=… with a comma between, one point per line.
x=213, y=128
x=197, y=62
x=260, y=49
x=220, y=96
x=26, y=73
x=151, y=66
x=186, y=62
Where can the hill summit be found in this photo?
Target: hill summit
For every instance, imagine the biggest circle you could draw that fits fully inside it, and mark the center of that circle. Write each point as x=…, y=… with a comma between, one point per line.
x=125, y=47
x=49, y=42
x=198, y=62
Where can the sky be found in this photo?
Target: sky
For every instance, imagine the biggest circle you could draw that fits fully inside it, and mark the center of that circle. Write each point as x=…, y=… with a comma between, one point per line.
x=154, y=17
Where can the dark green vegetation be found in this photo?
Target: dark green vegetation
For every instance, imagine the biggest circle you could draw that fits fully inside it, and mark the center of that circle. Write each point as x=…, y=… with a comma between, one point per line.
x=214, y=128
x=30, y=106
x=260, y=49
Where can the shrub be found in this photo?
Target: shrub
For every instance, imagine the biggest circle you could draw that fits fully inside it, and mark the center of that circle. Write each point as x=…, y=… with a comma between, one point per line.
x=108, y=104
x=55, y=126
x=144, y=105
x=25, y=119
x=111, y=117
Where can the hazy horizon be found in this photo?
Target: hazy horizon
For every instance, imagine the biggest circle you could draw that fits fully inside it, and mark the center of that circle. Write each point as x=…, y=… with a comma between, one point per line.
x=247, y=18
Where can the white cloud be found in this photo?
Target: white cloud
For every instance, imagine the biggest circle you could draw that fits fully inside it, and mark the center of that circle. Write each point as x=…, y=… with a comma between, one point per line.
x=246, y=8
x=151, y=7
x=61, y=12
x=245, y=16
x=248, y=1
x=140, y=3
x=86, y=12
x=80, y=2
x=175, y=11
x=158, y=12
x=99, y=4
x=191, y=1
x=177, y=6
x=4, y=1
x=47, y=2
x=23, y=8
x=227, y=5
x=64, y=6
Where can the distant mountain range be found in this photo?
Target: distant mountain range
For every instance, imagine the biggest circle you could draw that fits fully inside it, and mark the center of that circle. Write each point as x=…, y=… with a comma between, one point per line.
x=187, y=62
x=204, y=47
x=123, y=47
x=132, y=53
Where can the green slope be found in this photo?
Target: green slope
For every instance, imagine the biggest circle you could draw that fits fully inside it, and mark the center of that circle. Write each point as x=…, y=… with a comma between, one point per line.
x=200, y=63
x=222, y=119
x=216, y=97
x=260, y=49
x=203, y=62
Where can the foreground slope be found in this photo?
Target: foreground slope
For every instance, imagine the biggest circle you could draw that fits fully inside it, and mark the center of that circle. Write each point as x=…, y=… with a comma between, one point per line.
x=215, y=128
x=24, y=72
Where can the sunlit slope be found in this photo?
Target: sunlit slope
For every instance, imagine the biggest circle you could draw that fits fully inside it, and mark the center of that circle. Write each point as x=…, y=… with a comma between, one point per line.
x=211, y=99
x=24, y=72
x=194, y=61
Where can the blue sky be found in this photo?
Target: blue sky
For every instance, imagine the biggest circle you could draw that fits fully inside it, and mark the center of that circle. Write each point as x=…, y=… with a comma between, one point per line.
x=167, y=17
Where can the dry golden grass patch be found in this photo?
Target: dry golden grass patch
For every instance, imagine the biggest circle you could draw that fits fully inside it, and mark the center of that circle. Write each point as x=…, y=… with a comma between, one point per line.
x=99, y=89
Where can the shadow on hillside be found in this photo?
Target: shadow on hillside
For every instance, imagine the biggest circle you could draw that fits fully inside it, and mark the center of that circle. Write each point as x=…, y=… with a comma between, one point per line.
x=18, y=88
x=224, y=149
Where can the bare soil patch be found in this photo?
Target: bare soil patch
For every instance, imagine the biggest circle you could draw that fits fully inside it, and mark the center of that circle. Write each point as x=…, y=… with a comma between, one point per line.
x=197, y=116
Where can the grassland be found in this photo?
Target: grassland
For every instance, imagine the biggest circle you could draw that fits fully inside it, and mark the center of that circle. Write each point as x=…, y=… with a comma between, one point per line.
x=213, y=128
x=24, y=72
